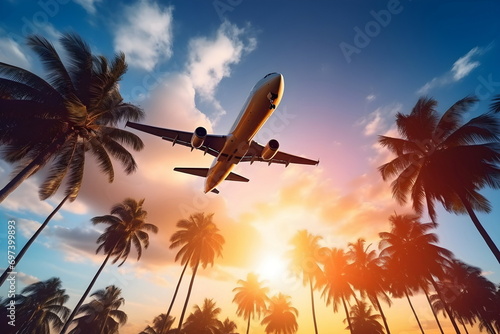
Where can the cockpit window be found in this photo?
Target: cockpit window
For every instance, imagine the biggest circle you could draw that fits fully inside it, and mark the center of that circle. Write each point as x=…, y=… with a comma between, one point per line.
x=269, y=74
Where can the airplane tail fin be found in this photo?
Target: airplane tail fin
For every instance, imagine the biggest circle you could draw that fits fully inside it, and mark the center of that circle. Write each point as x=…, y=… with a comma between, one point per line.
x=204, y=171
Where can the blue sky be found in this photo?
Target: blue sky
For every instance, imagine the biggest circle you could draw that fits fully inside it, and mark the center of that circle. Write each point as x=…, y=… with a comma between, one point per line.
x=349, y=67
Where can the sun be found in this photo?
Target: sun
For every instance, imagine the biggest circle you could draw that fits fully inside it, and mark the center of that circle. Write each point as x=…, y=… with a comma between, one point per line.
x=271, y=268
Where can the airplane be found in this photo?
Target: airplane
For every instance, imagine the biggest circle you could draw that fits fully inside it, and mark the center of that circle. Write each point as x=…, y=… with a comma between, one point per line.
x=237, y=146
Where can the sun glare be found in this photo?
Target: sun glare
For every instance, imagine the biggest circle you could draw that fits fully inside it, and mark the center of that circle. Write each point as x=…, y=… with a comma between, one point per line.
x=271, y=268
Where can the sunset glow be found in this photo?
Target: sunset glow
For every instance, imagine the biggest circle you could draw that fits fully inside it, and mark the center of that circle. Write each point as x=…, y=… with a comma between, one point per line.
x=380, y=92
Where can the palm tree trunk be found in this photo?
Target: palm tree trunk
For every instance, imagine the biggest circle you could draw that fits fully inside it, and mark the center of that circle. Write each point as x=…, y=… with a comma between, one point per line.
x=432, y=308
x=85, y=294
x=173, y=298
x=383, y=316
x=248, y=324
x=347, y=314
x=188, y=295
x=30, y=241
x=463, y=325
x=31, y=168
x=414, y=313
x=480, y=228
x=313, y=309
x=445, y=305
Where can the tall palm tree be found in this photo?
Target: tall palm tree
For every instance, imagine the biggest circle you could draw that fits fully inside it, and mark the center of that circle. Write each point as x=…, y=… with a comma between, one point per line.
x=41, y=307
x=411, y=248
x=204, y=319
x=161, y=325
x=441, y=159
x=102, y=314
x=251, y=297
x=400, y=285
x=363, y=321
x=335, y=281
x=126, y=226
x=304, y=262
x=200, y=243
x=281, y=316
x=469, y=294
x=367, y=275
x=227, y=327
x=78, y=109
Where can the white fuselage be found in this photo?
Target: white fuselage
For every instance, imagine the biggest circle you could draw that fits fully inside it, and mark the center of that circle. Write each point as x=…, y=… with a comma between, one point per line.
x=259, y=106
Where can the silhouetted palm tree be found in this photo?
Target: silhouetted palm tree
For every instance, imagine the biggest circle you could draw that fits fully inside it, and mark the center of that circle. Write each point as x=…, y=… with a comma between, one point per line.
x=304, y=262
x=251, y=298
x=101, y=314
x=468, y=293
x=367, y=275
x=227, y=327
x=204, y=319
x=411, y=248
x=161, y=325
x=335, y=281
x=400, y=284
x=281, y=316
x=41, y=307
x=126, y=226
x=78, y=110
x=363, y=321
x=200, y=243
x=441, y=159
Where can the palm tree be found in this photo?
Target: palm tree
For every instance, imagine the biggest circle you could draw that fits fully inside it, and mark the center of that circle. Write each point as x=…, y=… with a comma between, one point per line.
x=281, y=316
x=363, y=321
x=335, y=281
x=126, y=226
x=441, y=159
x=251, y=298
x=41, y=307
x=468, y=293
x=227, y=327
x=161, y=325
x=367, y=275
x=204, y=319
x=200, y=243
x=399, y=285
x=304, y=262
x=102, y=314
x=411, y=248
x=78, y=110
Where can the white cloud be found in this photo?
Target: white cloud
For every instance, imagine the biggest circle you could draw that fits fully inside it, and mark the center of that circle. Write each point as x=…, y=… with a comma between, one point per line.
x=370, y=97
x=88, y=5
x=462, y=67
x=210, y=59
x=11, y=53
x=376, y=121
x=145, y=34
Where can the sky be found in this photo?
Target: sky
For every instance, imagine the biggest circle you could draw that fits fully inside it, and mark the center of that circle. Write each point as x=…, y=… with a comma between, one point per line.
x=349, y=67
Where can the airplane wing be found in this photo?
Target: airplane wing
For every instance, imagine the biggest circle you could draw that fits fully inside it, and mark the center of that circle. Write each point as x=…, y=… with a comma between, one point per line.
x=212, y=145
x=255, y=154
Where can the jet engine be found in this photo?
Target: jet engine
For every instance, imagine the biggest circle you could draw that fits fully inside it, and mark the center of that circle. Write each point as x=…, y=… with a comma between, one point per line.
x=270, y=150
x=199, y=136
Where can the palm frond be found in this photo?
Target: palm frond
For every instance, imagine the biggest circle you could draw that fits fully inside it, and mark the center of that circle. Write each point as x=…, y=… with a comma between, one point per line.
x=57, y=74
x=30, y=79
x=58, y=169
x=451, y=119
x=80, y=64
x=102, y=157
x=480, y=129
x=119, y=152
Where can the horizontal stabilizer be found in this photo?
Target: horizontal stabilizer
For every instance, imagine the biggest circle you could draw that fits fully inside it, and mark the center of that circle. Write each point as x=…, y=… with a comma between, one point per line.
x=204, y=171
x=193, y=171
